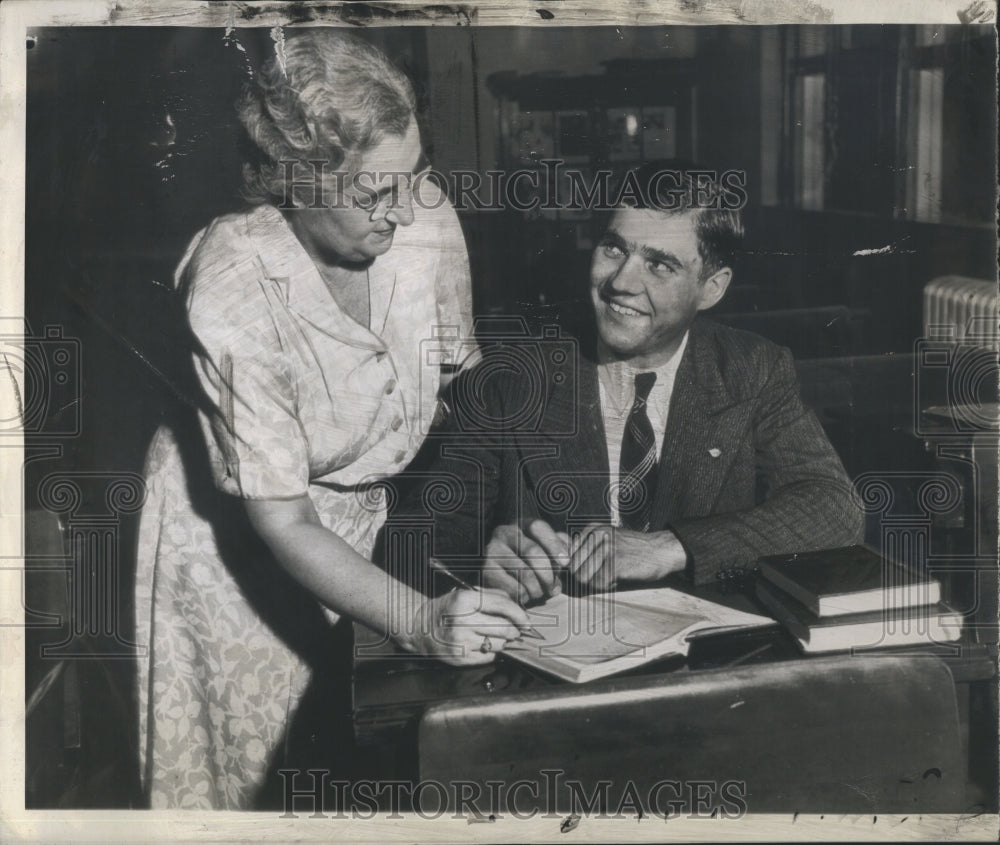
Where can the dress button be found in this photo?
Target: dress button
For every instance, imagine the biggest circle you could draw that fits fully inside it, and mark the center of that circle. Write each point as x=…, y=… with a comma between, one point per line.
x=390, y=386
x=396, y=423
x=400, y=457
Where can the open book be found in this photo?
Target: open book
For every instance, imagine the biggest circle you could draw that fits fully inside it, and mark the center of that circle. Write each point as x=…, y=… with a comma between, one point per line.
x=588, y=637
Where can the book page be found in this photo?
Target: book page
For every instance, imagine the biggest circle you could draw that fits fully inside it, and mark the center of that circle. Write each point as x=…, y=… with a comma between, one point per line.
x=593, y=629
x=600, y=627
x=710, y=615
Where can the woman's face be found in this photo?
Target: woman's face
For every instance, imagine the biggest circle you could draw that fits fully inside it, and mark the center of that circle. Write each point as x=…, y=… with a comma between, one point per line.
x=362, y=208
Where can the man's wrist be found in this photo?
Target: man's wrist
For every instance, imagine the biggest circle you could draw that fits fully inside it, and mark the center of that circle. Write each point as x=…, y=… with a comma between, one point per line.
x=672, y=557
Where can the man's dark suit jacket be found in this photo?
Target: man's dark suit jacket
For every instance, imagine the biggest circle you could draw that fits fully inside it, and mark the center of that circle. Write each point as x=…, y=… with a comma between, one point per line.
x=746, y=470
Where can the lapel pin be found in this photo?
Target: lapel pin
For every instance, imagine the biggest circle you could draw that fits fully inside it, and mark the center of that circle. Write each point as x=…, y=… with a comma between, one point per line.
x=715, y=452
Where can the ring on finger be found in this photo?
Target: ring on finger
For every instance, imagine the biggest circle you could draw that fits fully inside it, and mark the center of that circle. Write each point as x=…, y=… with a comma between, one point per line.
x=487, y=645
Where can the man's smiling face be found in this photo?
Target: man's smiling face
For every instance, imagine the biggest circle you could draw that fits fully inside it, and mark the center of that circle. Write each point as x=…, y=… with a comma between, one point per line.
x=646, y=284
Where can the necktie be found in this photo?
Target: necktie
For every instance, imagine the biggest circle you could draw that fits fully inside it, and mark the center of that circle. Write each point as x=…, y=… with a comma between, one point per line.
x=637, y=470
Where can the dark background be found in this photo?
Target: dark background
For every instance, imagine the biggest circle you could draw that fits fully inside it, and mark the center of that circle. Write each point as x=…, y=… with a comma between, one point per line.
x=132, y=146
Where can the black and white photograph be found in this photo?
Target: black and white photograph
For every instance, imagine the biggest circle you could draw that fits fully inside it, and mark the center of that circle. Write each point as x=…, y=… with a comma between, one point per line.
x=499, y=421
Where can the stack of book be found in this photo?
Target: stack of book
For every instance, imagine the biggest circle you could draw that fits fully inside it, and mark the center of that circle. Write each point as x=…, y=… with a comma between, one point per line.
x=853, y=598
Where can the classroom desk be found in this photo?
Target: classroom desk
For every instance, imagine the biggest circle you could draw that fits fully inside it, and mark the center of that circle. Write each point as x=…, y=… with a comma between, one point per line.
x=831, y=733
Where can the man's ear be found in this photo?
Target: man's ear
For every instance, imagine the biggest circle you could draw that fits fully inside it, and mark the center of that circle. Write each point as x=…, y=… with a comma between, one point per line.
x=714, y=288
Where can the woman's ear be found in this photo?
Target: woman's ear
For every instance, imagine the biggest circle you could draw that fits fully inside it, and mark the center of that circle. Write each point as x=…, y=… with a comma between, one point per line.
x=714, y=288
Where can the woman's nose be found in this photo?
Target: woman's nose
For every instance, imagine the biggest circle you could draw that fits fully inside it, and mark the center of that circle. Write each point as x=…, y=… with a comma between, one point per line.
x=401, y=212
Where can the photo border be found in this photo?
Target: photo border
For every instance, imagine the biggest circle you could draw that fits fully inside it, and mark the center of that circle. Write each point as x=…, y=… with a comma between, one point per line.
x=18, y=824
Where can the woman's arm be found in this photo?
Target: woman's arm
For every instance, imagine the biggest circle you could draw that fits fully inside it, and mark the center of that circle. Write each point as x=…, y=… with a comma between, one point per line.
x=451, y=627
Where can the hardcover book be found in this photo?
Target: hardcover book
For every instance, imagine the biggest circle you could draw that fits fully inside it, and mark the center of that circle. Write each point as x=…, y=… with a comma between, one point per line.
x=901, y=626
x=853, y=579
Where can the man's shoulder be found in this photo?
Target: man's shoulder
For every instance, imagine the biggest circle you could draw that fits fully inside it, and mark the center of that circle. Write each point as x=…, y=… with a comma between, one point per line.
x=546, y=337
x=745, y=360
x=735, y=341
x=524, y=359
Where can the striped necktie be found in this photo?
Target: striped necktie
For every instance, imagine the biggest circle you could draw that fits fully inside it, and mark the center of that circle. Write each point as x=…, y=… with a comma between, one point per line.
x=637, y=470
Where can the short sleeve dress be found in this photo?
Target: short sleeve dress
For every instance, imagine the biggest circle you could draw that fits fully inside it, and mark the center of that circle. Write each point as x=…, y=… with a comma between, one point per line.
x=300, y=399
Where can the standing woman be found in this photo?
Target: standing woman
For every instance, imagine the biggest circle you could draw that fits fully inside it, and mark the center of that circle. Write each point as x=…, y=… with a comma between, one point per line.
x=308, y=312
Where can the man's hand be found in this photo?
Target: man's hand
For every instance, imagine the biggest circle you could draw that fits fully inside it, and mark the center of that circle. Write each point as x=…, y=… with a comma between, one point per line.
x=602, y=555
x=525, y=563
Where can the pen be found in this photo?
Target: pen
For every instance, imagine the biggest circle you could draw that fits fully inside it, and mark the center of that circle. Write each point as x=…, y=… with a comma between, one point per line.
x=440, y=567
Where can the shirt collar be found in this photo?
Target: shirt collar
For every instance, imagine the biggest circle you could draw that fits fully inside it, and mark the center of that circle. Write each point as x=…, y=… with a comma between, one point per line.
x=617, y=377
x=285, y=261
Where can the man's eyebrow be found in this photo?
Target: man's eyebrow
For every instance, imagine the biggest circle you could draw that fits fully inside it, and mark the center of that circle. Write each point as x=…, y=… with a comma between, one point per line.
x=668, y=258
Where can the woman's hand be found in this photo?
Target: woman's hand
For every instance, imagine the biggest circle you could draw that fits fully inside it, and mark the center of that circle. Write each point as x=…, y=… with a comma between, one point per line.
x=466, y=627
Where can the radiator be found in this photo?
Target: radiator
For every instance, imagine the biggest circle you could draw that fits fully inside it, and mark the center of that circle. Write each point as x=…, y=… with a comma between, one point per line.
x=961, y=309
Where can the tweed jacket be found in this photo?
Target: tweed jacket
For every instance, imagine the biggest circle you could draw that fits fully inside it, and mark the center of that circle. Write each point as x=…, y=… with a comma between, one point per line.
x=745, y=470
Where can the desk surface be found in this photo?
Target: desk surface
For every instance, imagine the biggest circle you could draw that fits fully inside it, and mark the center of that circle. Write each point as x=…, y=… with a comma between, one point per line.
x=814, y=733
x=392, y=689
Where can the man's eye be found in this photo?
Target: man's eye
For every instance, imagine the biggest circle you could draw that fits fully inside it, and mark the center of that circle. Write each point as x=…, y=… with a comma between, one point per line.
x=613, y=250
x=659, y=267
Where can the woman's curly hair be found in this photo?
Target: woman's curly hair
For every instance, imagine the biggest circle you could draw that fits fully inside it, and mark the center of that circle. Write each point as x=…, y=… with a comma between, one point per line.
x=328, y=96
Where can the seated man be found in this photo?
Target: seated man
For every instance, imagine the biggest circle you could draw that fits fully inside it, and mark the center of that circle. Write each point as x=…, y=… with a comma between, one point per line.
x=662, y=444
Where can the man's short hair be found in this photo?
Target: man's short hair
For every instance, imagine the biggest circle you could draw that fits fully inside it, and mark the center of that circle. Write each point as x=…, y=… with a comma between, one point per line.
x=677, y=186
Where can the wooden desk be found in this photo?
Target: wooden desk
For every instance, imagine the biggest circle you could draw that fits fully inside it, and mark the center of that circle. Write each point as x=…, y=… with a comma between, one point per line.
x=841, y=733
